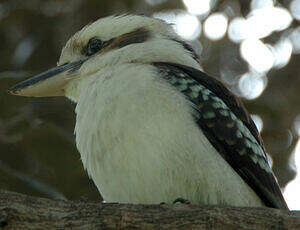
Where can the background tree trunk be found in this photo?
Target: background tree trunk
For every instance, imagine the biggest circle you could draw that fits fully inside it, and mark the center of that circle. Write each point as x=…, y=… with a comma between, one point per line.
x=18, y=211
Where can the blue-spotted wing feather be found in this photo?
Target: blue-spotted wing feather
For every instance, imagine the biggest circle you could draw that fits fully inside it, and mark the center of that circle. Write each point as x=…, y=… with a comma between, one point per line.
x=228, y=126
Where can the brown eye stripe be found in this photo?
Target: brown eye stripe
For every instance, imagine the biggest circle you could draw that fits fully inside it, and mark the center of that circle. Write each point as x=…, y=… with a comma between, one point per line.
x=137, y=36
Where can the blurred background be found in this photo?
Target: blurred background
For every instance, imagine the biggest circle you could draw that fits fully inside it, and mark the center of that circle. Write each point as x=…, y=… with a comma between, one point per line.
x=252, y=46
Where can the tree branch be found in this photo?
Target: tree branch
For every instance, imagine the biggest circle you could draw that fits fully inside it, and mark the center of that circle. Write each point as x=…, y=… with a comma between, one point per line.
x=18, y=211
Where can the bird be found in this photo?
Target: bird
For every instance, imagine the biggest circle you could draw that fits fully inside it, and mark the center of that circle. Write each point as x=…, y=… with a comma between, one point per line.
x=151, y=126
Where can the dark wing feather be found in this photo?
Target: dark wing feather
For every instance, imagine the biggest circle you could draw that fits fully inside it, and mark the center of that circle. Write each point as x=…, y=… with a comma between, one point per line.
x=229, y=128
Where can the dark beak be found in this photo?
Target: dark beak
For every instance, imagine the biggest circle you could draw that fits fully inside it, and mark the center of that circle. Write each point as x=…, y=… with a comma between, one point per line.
x=49, y=83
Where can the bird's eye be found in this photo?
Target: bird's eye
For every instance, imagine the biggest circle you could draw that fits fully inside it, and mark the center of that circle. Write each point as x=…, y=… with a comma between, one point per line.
x=93, y=46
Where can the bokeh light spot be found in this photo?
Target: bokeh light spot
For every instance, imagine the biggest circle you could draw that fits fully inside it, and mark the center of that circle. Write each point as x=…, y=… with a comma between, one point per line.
x=262, y=22
x=258, y=122
x=257, y=54
x=295, y=9
x=238, y=30
x=215, y=26
x=24, y=50
x=188, y=26
x=252, y=86
x=295, y=39
x=197, y=7
x=258, y=4
x=185, y=25
x=282, y=52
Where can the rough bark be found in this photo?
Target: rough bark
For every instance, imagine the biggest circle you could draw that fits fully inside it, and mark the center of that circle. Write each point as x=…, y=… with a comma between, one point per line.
x=18, y=211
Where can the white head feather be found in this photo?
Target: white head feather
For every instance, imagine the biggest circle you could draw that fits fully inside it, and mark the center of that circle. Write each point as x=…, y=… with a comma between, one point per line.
x=163, y=45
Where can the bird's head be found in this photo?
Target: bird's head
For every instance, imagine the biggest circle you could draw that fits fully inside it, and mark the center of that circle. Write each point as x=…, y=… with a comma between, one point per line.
x=105, y=43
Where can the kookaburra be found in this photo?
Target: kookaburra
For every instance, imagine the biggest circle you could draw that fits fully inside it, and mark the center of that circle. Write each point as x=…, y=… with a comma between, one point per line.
x=150, y=126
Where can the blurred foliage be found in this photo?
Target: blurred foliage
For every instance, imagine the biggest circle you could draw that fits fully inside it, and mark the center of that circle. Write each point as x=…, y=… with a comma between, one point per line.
x=38, y=153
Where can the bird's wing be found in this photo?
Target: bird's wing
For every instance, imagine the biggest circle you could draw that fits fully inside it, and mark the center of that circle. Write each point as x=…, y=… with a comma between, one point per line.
x=229, y=128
